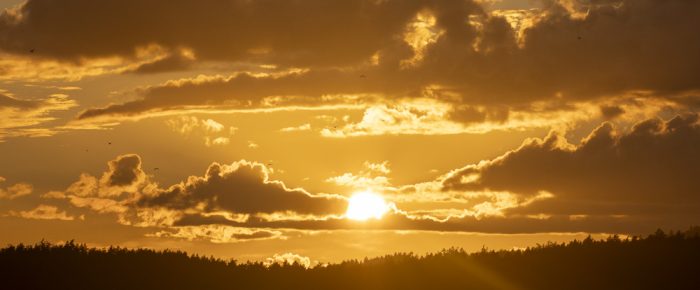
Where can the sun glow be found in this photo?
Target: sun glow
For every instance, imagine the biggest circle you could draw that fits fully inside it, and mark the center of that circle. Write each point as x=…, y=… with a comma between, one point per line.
x=366, y=205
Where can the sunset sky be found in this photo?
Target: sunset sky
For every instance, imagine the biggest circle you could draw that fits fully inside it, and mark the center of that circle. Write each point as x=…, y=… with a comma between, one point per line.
x=332, y=130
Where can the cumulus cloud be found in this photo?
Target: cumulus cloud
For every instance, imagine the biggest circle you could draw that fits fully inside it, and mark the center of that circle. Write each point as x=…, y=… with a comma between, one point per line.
x=119, y=186
x=290, y=259
x=14, y=191
x=235, y=192
x=242, y=187
x=615, y=180
x=125, y=170
x=649, y=170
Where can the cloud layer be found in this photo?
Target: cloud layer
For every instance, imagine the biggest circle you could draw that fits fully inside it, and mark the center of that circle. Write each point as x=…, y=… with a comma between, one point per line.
x=613, y=181
x=483, y=63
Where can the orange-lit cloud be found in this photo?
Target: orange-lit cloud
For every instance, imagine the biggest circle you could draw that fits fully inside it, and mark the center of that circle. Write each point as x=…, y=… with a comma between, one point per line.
x=218, y=233
x=242, y=187
x=485, y=66
x=43, y=212
x=646, y=171
x=211, y=131
x=14, y=191
x=290, y=259
x=373, y=176
x=22, y=117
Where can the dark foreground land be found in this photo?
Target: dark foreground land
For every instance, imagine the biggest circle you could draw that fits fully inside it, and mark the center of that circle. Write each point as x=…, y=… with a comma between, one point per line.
x=659, y=261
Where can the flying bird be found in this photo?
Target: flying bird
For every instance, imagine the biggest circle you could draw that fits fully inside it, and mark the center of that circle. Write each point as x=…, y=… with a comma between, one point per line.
x=363, y=76
x=31, y=50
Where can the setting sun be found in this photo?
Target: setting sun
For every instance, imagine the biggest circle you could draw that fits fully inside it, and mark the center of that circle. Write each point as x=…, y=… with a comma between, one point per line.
x=366, y=205
x=349, y=144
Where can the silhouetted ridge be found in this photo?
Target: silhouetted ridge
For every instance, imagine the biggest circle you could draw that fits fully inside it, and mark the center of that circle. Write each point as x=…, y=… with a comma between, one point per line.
x=658, y=261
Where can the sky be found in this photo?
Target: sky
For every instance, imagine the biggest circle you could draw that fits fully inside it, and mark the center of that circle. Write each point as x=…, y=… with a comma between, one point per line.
x=332, y=130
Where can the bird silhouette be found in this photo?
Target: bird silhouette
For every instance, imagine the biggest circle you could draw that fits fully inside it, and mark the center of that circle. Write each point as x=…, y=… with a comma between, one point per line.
x=31, y=50
x=363, y=76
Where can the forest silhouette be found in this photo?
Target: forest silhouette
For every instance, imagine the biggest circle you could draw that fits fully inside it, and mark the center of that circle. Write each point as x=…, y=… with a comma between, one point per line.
x=663, y=260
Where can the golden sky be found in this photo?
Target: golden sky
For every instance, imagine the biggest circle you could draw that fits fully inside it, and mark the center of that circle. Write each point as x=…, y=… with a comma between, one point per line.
x=350, y=128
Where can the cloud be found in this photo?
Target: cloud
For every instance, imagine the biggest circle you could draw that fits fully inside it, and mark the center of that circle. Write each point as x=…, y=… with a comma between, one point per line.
x=611, y=112
x=373, y=176
x=243, y=91
x=15, y=191
x=21, y=117
x=190, y=125
x=216, y=141
x=411, y=117
x=218, y=234
x=113, y=192
x=253, y=145
x=10, y=102
x=304, y=127
x=242, y=187
x=44, y=212
x=124, y=171
x=169, y=63
x=229, y=193
x=484, y=65
x=647, y=171
x=290, y=259
x=613, y=181
x=34, y=25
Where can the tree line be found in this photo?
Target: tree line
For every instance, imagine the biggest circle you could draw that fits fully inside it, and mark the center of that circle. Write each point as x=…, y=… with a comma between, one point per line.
x=662, y=260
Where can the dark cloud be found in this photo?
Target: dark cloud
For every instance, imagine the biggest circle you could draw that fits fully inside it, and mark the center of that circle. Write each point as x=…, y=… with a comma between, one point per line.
x=168, y=64
x=514, y=224
x=218, y=233
x=294, y=32
x=13, y=103
x=611, y=112
x=125, y=170
x=241, y=188
x=246, y=91
x=650, y=170
x=475, y=59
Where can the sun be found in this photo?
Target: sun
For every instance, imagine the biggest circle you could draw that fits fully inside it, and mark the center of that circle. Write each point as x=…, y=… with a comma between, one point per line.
x=366, y=205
